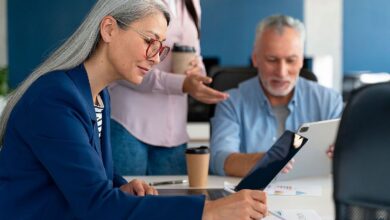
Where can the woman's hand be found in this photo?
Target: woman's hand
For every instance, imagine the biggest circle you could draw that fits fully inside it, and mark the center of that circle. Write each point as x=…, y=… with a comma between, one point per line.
x=195, y=86
x=139, y=188
x=194, y=67
x=245, y=204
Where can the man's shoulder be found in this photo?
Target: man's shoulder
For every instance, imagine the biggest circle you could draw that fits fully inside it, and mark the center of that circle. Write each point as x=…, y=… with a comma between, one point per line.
x=245, y=88
x=313, y=88
x=243, y=98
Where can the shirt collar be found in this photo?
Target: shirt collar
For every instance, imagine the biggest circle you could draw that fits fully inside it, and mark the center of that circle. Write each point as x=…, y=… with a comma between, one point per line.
x=294, y=100
x=264, y=102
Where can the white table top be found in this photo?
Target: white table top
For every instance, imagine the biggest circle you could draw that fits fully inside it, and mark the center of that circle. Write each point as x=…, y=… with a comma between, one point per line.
x=323, y=204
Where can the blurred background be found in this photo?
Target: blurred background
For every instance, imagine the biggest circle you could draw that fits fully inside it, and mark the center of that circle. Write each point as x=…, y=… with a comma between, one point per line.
x=347, y=40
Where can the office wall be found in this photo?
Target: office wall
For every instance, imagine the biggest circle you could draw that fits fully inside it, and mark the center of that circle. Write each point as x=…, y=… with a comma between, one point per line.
x=36, y=28
x=366, y=35
x=3, y=33
x=228, y=26
x=227, y=30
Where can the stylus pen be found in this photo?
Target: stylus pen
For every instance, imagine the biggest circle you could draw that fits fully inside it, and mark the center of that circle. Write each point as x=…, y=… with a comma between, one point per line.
x=169, y=182
x=270, y=212
x=276, y=215
x=230, y=190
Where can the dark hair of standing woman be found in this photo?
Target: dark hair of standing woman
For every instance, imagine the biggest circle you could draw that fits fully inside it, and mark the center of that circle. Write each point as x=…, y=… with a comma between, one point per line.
x=192, y=11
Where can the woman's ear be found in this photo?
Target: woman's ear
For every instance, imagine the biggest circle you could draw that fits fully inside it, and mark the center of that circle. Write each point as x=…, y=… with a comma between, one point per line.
x=108, y=26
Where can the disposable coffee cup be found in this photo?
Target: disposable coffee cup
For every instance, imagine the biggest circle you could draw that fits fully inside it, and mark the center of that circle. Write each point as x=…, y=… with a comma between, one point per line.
x=198, y=166
x=181, y=57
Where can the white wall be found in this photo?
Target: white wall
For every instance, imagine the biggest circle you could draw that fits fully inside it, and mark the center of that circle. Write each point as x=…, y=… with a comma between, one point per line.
x=3, y=33
x=324, y=23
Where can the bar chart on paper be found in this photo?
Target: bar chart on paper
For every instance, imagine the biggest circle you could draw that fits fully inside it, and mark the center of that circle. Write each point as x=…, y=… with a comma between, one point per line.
x=293, y=190
x=293, y=214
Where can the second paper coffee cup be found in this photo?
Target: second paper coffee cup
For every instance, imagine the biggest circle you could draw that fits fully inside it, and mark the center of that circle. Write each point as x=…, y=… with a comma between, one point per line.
x=198, y=166
x=181, y=57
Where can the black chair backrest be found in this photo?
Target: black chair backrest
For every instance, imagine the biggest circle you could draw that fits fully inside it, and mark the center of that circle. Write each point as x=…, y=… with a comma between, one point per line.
x=225, y=78
x=307, y=74
x=361, y=163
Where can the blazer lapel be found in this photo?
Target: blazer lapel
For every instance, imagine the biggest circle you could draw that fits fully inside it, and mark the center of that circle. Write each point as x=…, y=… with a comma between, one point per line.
x=105, y=137
x=80, y=78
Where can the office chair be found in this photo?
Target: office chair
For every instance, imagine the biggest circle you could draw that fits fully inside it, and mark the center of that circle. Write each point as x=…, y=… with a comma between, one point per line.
x=225, y=78
x=361, y=163
x=307, y=74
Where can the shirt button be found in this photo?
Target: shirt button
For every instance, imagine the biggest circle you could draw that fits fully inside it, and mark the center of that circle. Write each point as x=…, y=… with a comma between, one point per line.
x=274, y=138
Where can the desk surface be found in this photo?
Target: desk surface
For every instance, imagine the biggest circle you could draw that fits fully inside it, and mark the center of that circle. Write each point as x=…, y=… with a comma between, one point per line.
x=323, y=204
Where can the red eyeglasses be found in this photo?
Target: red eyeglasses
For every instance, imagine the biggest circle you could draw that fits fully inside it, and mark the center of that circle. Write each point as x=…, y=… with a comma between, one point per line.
x=154, y=46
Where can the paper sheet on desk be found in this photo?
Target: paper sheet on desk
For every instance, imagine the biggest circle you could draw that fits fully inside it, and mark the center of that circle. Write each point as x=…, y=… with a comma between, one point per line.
x=295, y=214
x=290, y=190
x=286, y=189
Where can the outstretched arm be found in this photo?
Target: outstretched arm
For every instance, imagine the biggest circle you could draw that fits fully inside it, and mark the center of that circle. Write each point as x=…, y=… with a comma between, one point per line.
x=194, y=83
x=239, y=164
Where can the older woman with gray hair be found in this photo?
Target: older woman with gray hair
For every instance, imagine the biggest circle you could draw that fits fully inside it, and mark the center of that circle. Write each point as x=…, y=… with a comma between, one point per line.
x=55, y=161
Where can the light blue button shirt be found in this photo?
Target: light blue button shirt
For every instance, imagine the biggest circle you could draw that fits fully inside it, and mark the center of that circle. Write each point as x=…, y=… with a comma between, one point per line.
x=245, y=122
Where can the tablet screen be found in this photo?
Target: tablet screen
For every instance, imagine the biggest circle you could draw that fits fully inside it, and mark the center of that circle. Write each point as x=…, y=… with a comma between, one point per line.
x=272, y=162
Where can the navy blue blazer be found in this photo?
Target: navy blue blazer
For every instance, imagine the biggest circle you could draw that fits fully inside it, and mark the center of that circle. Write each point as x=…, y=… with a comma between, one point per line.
x=53, y=164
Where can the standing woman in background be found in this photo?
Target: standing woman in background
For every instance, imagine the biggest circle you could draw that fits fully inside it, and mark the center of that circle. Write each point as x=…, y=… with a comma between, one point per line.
x=149, y=138
x=55, y=160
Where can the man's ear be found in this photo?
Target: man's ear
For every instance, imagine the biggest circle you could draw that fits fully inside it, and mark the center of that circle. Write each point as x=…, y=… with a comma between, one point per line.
x=302, y=60
x=254, y=58
x=107, y=28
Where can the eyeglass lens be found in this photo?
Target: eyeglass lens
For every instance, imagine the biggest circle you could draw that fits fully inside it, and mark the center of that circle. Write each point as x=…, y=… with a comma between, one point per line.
x=155, y=47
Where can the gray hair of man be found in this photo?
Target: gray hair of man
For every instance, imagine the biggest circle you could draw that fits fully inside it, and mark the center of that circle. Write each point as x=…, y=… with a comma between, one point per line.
x=83, y=43
x=278, y=23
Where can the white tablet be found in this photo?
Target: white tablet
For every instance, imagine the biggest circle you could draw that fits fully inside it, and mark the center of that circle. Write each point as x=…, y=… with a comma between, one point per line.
x=312, y=159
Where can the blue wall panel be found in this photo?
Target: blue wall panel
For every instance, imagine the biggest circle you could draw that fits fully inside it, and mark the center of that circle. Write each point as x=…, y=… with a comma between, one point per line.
x=228, y=26
x=37, y=27
x=366, y=36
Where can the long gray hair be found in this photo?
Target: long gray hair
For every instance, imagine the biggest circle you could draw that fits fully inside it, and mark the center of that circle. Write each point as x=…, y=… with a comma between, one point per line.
x=83, y=43
x=278, y=23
